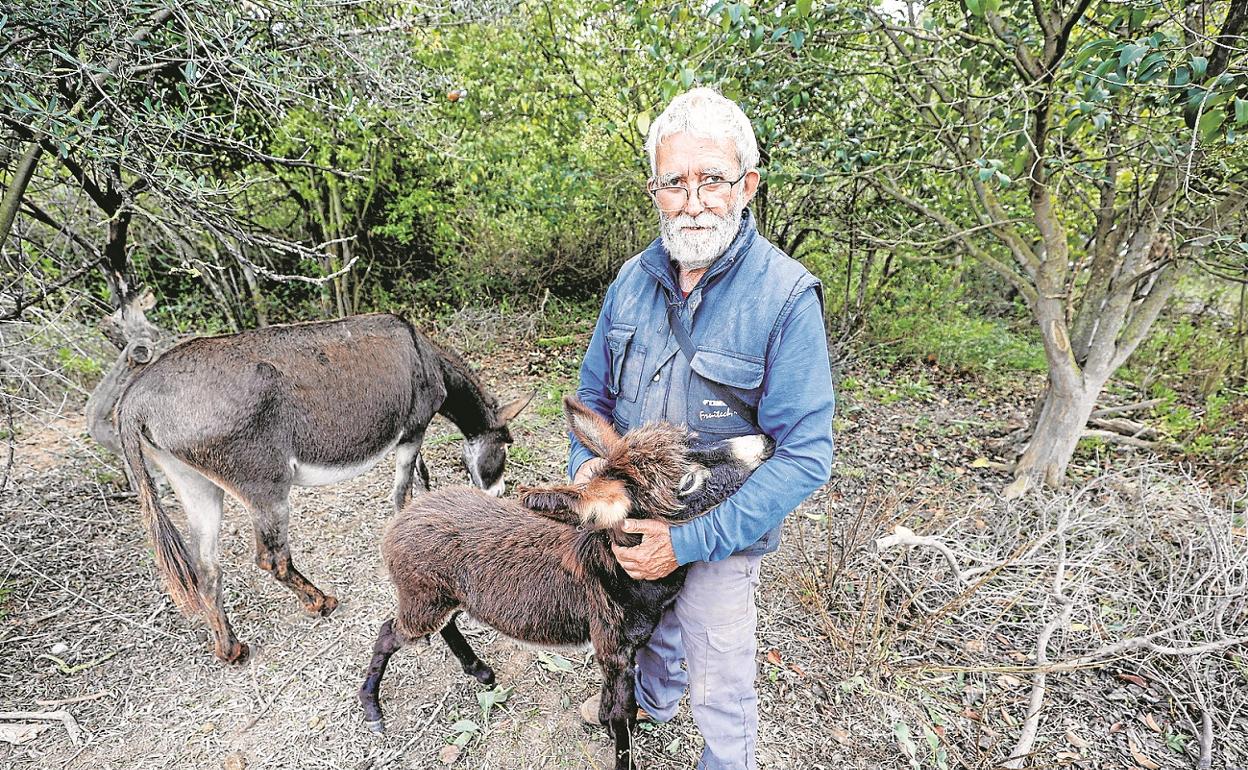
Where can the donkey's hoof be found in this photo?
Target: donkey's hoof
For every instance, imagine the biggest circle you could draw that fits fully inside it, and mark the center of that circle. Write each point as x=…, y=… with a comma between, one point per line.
x=235, y=653
x=482, y=673
x=323, y=606
x=376, y=725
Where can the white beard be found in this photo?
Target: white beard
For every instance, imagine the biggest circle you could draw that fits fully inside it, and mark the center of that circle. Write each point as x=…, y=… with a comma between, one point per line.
x=697, y=249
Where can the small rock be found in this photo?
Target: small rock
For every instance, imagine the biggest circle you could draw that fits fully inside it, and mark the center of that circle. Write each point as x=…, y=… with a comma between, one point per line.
x=207, y=727
x=235, y=761
x=316, y=721
x=449, y=753
x=60, y=648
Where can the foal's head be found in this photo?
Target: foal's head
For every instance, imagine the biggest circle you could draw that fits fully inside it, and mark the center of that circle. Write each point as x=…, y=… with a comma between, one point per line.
x=657, y=471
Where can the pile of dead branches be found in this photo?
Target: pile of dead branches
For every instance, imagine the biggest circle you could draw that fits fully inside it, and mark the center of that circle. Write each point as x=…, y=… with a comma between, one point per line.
x=1143, y=573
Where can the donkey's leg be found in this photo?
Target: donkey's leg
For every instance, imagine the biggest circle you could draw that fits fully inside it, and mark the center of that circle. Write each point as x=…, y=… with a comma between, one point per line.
x=389, y=640
x=422, y=610
x=473, y=666
x=271, y=519
x=202, y=501
x=618, y=706
x=406, y=460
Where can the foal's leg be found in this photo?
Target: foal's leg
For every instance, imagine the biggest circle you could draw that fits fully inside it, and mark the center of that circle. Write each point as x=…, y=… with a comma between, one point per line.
x=617, y=708
x=388, y=642
x=473, y=666
x=202, y=501
x=271, y=519
x=421, y=612
x=407, y=460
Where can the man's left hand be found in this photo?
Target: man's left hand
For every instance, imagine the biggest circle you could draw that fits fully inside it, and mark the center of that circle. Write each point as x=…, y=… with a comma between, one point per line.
x=653, y=558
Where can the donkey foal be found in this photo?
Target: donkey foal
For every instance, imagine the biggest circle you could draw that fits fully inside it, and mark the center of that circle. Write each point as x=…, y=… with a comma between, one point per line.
x=541, y=570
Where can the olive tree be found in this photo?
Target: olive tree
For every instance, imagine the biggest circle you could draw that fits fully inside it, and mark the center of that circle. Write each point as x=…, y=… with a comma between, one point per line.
x=1089, y=152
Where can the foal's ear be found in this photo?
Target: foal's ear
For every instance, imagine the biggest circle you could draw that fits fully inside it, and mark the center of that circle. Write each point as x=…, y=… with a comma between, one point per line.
x=599, y=503
x=548, y=499
x=509, y=412
x=591, y=429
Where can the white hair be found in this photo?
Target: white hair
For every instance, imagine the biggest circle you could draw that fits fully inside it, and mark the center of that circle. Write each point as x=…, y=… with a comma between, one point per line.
x=704, y=112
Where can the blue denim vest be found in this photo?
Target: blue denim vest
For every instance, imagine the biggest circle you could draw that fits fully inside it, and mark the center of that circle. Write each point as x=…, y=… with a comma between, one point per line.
x=732, y=316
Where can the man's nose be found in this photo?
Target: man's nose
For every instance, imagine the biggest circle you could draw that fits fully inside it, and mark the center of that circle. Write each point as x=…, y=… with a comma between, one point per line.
x=693, y=203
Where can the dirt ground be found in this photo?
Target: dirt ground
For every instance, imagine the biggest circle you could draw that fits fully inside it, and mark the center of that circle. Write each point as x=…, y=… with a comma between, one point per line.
x=86, y=630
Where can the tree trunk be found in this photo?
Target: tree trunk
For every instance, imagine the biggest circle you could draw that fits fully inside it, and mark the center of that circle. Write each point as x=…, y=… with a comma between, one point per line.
x=1063, y=416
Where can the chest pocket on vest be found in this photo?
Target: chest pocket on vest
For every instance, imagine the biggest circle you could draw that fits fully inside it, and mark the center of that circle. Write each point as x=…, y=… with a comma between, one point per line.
x=628, y=361
x=707, y=410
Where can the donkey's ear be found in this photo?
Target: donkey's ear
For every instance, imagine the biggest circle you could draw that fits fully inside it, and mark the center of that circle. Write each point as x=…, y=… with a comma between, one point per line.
x=549, y=498
x=509, y=412
x=558, y=503
x=591, y=429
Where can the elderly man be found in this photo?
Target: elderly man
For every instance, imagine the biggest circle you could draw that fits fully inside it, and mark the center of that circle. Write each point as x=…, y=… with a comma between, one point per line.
x=749, y=354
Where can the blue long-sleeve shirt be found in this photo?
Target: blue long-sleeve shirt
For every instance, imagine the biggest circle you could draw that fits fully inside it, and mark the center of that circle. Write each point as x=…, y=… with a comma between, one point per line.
x=758, y=327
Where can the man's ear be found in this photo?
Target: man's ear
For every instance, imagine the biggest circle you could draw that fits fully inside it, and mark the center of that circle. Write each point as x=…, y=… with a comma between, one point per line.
x=592, y=430
x=749, y=185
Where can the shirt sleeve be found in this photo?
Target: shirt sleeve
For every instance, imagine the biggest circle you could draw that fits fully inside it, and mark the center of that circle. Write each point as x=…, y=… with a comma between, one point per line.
x=593, y=390
x=795, y=409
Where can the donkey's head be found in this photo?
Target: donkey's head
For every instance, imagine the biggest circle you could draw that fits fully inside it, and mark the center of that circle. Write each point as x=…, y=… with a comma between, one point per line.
x=656, y=471
x=485, y=454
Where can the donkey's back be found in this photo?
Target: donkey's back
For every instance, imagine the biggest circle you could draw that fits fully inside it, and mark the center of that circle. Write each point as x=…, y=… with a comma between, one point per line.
x=258, y=412
x=323, y=400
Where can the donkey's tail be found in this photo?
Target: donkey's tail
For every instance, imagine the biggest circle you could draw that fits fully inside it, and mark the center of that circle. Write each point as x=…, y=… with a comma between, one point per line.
x=173, y=561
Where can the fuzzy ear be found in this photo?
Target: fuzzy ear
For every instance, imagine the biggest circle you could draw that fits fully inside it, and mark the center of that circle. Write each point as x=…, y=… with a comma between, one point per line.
x=591, y=429
x=509, y=412
x=605, y=503
x=600, y=503
x=558, y=503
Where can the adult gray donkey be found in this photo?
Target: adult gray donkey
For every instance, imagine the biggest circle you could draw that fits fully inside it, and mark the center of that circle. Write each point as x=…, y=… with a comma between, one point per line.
x=259, y=412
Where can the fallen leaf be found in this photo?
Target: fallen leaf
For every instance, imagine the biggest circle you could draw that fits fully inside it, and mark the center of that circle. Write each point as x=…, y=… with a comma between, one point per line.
x=1008, y=717
x=773, y=656
x=1134, y=679
x=798, y=670
x=975, y=646
x=1117, y=727
x=1141, y=758
x=1076, y=740
x=207, y=727
x=1007, y=682
x=449, y=753
x=1152, y=723
x=970, y=713
x=981, y=462
x=1066, y=757
x=840, y=735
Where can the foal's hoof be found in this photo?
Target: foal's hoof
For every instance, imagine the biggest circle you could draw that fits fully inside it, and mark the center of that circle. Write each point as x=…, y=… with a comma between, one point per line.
x=376, y=725
x=482, y=673
x=323, y=606
x=234, y=653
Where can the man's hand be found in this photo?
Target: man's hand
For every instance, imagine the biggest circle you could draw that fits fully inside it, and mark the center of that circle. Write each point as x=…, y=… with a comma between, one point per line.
x=653, y=558
x=588, y=469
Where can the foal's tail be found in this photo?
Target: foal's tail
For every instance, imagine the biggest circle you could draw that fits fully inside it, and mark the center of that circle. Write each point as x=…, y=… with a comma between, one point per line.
x=173, y=561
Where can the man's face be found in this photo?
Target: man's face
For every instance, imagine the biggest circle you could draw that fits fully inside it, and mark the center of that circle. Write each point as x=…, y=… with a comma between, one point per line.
x=698, y=234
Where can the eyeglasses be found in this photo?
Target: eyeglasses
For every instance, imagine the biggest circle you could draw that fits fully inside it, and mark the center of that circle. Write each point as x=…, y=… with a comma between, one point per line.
x=675, y=197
